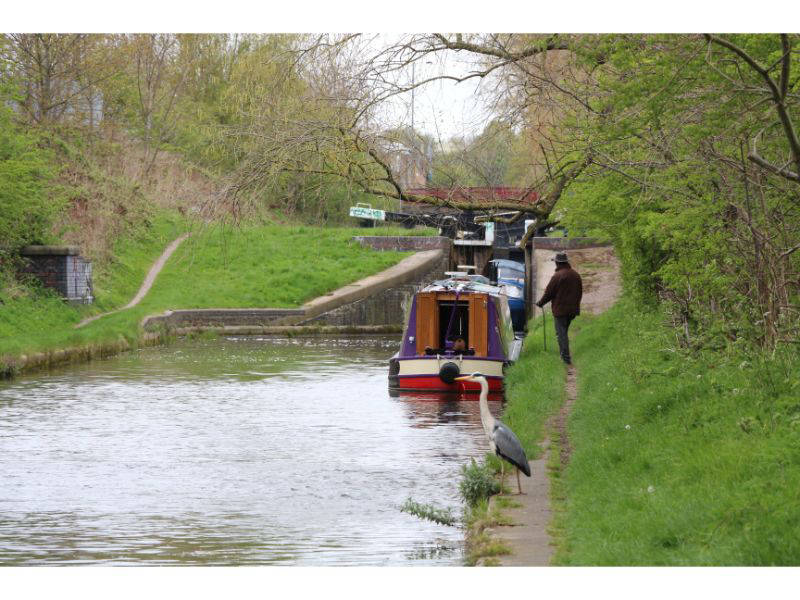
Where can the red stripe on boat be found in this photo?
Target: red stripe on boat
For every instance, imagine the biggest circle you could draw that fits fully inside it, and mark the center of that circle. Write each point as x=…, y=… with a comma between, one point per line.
x=434, y=382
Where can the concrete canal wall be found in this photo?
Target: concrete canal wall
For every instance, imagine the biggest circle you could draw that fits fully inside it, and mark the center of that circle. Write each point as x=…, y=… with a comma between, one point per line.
x=384, y=298
x=377, y=300
x=220, y=317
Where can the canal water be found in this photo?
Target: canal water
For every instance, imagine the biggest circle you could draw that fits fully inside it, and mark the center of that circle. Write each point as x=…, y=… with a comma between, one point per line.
x=230, y=451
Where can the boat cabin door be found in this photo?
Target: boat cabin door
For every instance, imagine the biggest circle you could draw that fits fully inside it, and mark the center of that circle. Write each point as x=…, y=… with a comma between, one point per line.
x=441, y=317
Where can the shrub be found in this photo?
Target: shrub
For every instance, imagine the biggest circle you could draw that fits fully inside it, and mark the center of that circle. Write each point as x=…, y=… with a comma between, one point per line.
x=477, y=483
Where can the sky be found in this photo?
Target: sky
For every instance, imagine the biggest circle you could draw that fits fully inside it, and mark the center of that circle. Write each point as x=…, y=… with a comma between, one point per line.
x=442, y=109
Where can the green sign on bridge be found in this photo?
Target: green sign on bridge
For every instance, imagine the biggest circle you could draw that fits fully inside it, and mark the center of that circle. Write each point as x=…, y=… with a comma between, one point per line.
x=367, y=212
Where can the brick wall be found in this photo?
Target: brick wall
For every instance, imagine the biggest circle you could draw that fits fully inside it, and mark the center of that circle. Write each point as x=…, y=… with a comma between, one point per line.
x=62, y=269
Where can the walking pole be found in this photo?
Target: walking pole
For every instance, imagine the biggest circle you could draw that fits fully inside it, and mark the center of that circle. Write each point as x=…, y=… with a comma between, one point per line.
x=544, y=330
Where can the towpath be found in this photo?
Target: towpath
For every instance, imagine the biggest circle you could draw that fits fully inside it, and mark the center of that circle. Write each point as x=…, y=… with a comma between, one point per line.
x=146, y=284
x=528, y=538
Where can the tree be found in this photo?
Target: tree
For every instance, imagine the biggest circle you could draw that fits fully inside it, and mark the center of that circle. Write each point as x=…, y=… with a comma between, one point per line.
x=698, y=222
x=336, y=134
x=679, y=147
x=483, y=161
x=56, y=75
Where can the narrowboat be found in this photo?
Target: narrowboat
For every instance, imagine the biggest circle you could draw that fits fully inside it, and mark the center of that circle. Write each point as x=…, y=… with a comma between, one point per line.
x=455, y=326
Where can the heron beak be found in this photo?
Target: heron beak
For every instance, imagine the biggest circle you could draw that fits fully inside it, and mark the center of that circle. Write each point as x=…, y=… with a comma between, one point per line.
x=464, y=378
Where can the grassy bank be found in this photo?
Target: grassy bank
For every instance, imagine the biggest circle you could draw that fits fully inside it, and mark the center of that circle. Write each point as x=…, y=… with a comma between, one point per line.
x=679, y=459
x=253, y=266
x=35, y=319
x=534, y=387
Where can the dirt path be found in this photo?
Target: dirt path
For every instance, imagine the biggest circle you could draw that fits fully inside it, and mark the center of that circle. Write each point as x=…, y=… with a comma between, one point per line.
x=146, y=284
x=528, y=538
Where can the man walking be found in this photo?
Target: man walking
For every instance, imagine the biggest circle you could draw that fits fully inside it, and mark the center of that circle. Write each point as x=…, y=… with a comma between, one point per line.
x=565, y=291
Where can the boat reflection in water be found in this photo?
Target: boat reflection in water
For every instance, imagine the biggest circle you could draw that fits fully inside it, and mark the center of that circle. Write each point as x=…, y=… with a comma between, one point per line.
x=433, y=409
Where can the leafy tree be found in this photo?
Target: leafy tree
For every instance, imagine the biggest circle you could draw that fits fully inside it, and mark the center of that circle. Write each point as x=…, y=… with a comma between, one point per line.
x=56, y=76
x=700, y=221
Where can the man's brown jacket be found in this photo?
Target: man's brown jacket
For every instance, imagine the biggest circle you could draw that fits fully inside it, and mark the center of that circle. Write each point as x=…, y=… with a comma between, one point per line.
x=565, y=290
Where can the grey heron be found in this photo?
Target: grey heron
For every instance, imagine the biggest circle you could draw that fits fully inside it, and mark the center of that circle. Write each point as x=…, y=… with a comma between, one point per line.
x=502, y=440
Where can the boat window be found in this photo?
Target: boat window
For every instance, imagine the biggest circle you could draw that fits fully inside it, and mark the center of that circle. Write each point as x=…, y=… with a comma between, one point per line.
x=458, y=323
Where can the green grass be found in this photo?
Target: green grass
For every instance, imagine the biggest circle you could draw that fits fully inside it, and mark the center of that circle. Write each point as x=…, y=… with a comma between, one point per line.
x=33, y=318
x=116, y=282
x=677, y=459
x=271, y=266
x=255, y=266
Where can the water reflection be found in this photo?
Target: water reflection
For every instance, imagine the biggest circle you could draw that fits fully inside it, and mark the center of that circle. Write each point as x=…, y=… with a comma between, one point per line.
x=432, y=409
x=234, y=451
x=432, y=552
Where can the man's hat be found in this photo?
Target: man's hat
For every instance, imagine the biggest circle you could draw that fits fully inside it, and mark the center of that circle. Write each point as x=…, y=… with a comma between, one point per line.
x=561, y=257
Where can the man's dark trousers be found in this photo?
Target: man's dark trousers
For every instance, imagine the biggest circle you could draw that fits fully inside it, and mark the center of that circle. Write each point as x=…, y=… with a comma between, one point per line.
x=562, y=325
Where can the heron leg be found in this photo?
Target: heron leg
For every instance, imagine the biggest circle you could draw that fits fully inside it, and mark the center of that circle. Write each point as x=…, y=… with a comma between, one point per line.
x=502, y=475
x=519, y=486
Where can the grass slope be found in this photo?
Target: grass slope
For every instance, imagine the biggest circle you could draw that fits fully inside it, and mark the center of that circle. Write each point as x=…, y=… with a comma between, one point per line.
x=272, y=266
x=679, y=460
x=117, y=281
x=253, y=266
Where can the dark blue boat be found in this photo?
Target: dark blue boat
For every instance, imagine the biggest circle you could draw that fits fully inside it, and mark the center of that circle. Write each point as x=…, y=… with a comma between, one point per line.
x=510, y=277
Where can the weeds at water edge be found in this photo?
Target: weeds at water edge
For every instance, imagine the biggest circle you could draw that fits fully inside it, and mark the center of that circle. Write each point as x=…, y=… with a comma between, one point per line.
x=430, y=512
